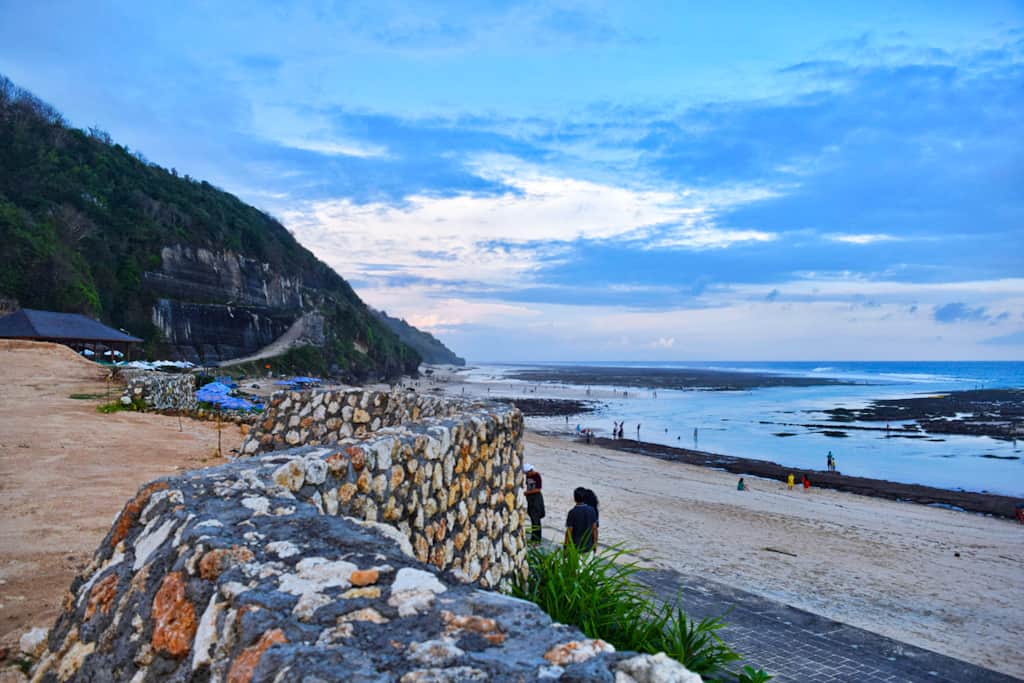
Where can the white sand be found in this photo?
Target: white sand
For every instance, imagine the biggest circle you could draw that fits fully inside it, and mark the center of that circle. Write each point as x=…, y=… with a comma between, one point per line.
x=879, y=565
x=883, y=566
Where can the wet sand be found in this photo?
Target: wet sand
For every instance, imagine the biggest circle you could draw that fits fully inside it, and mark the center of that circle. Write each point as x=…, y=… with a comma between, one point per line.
x=665, y=378
x=986, y=503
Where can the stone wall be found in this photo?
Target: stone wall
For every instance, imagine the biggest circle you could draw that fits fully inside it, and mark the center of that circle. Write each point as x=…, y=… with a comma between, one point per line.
x=296, y=418
x=234, y=574
x=160, y=390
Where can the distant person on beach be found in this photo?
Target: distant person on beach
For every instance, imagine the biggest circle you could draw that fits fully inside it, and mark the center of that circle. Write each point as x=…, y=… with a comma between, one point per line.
x=638, y=431
x=828, y=461
x=740, y=486
x=807, y=483
x=534, y=501
x=790, y=480
x=694, y=437
x=581, y=523
x=622, y=429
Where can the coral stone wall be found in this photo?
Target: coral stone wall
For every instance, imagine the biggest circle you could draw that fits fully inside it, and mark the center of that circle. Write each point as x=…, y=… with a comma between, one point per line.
x=295, y=418
x=160, y=390
x=231, y=574
x=452, y=486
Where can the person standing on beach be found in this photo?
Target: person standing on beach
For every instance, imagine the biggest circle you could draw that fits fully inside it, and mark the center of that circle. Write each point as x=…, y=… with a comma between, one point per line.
x=790, y=480
x=581, y=523
x=807, y=483
x=534, y=501
x=590, y=498
x=740, y=486
x=828, y=461
x=637, y=431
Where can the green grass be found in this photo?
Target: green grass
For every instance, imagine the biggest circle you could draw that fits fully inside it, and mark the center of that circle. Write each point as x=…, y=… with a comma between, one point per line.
x=86, y=397
x=599, y=595
x=137, y=405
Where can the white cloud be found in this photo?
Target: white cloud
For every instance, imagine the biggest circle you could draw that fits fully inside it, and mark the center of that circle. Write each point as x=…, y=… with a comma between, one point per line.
x=862, y=238
x=337, y=147
x=310, y=131
x=501, y=240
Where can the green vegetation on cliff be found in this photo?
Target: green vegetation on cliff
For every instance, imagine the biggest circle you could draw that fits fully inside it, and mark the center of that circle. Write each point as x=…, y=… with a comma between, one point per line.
x=427, y=345
x=83, y=220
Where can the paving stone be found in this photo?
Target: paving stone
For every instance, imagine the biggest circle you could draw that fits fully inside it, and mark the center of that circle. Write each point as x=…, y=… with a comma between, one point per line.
x=801, y=647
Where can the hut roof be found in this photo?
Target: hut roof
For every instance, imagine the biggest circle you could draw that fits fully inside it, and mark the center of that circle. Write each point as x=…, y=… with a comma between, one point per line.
x=27, y=323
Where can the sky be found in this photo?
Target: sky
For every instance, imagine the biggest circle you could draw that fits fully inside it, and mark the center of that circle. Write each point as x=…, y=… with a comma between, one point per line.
x=596, y=180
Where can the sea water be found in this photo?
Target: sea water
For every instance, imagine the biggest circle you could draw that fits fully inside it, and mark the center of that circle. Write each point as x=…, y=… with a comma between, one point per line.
x=746, y=423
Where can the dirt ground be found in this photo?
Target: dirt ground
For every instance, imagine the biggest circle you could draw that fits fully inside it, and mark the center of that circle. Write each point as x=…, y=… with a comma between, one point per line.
x=66, y=470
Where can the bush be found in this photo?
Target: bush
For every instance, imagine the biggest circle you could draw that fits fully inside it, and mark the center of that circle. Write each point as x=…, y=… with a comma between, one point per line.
x=597, y=593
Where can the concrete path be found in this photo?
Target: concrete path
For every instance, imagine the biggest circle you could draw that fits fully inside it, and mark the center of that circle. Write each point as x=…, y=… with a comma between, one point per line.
x=797, y=646
x=275, y=348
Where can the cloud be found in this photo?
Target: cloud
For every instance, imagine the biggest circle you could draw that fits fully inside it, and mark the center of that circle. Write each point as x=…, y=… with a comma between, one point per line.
x=959, y=312
x=664, y=342
x=348, y=148
x=863, y=238
x=1012, y=339
x=507, y=239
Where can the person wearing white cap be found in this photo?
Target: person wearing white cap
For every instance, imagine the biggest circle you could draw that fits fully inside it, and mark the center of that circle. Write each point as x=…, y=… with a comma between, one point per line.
x=534, y=501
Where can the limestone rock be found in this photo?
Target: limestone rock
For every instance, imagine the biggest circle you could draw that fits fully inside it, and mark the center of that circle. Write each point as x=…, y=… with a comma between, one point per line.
x=33, y=642
x=659, y=668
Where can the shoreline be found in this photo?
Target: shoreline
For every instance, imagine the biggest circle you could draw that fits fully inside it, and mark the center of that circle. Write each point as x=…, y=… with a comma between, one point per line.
x=968, y=501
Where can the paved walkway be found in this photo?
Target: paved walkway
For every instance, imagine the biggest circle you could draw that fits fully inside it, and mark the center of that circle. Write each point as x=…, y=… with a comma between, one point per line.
x=798, y=646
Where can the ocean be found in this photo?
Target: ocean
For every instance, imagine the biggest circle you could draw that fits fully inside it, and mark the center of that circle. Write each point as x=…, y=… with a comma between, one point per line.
x=747, y=423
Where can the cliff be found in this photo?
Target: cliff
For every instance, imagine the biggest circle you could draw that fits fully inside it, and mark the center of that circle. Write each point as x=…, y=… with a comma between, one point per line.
x=429, y=347
x=89, y=227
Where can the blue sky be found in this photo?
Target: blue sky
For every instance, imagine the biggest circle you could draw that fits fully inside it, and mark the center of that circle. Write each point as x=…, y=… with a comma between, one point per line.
x=603, y=181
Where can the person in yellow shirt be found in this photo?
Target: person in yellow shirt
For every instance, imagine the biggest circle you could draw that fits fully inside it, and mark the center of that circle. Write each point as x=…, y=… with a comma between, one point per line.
x=790, y=480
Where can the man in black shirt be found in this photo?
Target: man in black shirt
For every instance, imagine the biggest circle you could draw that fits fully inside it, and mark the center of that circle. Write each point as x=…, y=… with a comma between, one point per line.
x=581, y=523
x=534, y=501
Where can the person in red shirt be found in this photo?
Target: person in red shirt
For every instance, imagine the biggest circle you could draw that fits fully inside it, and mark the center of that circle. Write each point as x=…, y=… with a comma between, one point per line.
x=807, y=483
x=534, y=501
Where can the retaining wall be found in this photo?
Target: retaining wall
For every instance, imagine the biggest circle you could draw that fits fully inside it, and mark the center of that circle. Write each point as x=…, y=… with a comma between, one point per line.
x=228, y=575
x=295, y=418
x=160, y=390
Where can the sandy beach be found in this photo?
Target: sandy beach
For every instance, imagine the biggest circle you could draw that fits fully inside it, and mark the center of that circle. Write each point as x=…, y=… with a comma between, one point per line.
x=891, y=568
x=66, y=470
x=888, y=567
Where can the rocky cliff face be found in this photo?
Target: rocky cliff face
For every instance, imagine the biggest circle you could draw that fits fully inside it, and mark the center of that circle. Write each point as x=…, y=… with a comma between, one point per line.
x=217, y=306
x=198, y=274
